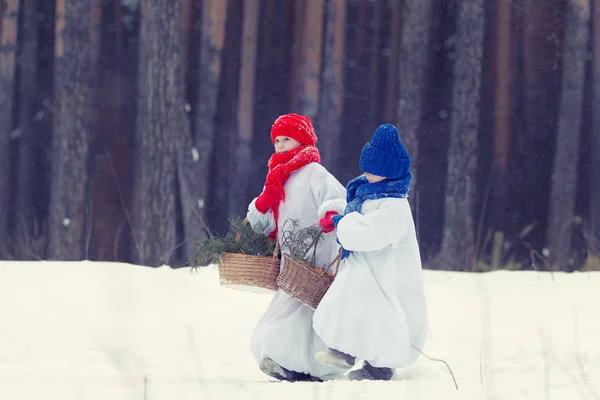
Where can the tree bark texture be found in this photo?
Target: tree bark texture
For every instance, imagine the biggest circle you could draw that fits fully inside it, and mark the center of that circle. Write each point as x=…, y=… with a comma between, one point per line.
x=190, y=193
x=564, y=178
x=160, y=118
x=193, y=159
x=8, y=50
x=24, y=203
x=594, y=200
x=502, y=114
x=242, y=157
x=275, y=42
x=220, y=165
x=356, y=129
x=109, y=163
x=542, y=43
x=75, y=81
x=458, y=241
x=374, y=91
x=214, y=18
x=297, y=54
x=413, y=66
x=392, y=87
x=311, y=59
x=332, y=90
x=359, y=84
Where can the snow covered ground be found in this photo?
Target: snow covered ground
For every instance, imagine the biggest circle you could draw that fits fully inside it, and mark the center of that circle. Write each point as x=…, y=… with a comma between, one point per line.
x=118, y=331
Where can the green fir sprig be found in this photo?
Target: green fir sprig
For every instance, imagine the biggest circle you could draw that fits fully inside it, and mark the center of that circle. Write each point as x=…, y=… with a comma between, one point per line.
x=250, y=242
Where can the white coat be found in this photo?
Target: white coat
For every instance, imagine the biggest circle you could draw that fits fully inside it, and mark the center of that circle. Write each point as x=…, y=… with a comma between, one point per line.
x=375, y=309
x=284, y=333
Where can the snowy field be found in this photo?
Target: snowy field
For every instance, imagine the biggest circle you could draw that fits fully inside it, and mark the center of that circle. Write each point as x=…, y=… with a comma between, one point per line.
x=118, y=331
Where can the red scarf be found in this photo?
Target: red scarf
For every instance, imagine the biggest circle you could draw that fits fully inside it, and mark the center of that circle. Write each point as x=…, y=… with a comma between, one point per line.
x=280, y=168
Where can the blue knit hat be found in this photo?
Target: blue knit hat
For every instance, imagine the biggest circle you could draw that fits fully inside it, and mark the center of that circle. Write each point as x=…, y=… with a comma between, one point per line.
x=385, y=154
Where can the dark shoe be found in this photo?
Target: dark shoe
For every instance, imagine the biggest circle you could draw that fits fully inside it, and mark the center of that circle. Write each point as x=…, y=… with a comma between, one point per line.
x=335, y=358
x=369, y=372
x=276, y=371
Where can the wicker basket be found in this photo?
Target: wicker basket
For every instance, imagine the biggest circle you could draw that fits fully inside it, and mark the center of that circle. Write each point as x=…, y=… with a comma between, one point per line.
x=302, y=281
x=249, y=272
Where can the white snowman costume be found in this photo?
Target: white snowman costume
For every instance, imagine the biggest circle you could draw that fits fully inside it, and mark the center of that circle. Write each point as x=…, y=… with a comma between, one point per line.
x=375, y=309
x=285, y=332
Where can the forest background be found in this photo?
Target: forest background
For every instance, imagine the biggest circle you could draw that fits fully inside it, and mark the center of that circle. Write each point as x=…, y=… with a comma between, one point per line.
x=131, y=128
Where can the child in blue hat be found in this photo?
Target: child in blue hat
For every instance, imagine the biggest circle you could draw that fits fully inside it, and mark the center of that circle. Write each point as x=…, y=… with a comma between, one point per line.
x=375, y=309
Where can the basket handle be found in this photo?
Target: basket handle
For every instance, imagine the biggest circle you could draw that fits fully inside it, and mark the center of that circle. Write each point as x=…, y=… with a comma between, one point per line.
x=313, y=245
x=275, y=251
x=335, y=261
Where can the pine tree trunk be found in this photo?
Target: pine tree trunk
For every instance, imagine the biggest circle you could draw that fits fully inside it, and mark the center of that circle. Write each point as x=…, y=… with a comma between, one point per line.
x=130, y=66
x=286, y=42
x=190, y=193
x=193, y=160
x=542, y=43
x=391, y=100
x=311, y=61
x=220, y=165
x=28, y=63
x=502, y=114
x=413, y=67
x=214, y=17
x=273, y=49
x=564, y=174
x=241, y=157
x=160, y=118
x=359, y=101
x=8, y=50
x=188, y=18
x=361, y=28
x=298, y=54
x=112, y=170
x=595, y=139
x=267, y=30
x=332, y=90
x=375, y=98
x=75, y=80
x=458, y=241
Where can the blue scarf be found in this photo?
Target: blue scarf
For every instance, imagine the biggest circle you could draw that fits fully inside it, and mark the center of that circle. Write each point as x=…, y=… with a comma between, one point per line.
x=359, y=189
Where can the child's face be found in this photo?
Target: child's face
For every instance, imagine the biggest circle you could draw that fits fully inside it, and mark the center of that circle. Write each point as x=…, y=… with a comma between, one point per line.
x=283, y=144
x=374, y=178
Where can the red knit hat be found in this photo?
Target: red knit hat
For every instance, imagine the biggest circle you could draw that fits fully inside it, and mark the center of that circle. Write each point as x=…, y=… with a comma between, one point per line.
x=295, y=126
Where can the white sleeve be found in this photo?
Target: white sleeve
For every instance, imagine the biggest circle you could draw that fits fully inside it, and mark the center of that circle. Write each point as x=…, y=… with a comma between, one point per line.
x=373, y=231
x=261, y=223
x=328, y=192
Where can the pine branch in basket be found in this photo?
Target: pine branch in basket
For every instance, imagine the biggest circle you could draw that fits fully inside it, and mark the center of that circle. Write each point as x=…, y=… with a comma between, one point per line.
x=210, y=249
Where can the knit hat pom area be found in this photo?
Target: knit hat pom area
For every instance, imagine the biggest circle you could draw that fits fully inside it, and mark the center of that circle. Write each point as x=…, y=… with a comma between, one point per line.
x=295, y=126
x=385, y=154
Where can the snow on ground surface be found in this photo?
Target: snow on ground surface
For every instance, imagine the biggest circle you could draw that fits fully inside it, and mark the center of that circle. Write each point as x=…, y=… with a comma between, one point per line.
x=88, y=330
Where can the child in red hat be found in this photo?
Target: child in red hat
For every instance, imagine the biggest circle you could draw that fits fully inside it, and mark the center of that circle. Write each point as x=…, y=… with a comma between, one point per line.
x=297, y=187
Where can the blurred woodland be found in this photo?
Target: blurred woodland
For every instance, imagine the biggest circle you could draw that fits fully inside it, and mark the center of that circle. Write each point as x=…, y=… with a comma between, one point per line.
x=131, y=128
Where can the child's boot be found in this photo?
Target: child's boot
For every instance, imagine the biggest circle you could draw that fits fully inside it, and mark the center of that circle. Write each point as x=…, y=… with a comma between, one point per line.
x=276, y=371
x=335, y=358
x=369, y=372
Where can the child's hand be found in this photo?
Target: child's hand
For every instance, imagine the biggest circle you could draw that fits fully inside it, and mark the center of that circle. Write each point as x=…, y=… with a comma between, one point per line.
x=267, y=199
x=326, y=223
